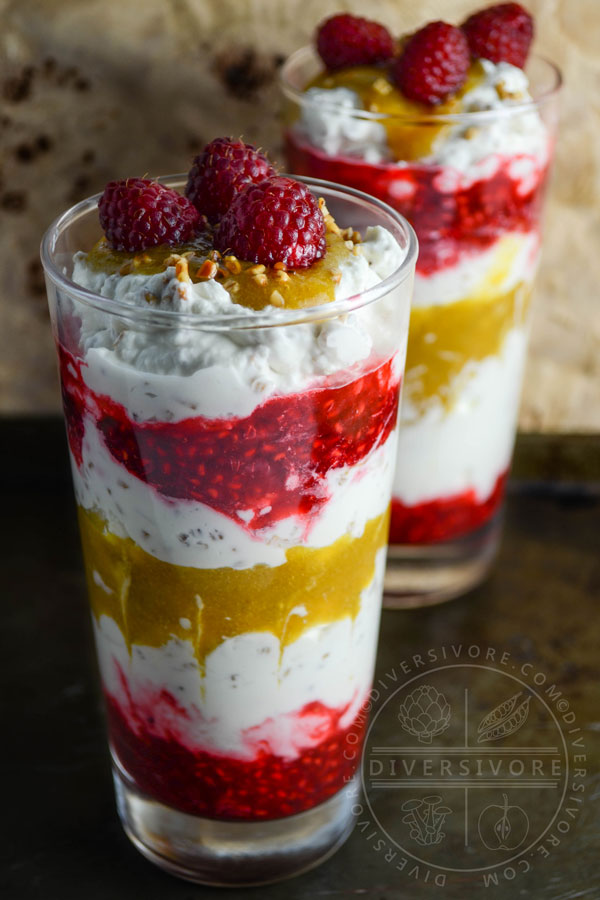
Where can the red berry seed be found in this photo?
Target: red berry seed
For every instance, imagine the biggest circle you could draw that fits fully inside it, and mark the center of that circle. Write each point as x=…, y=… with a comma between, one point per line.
x=220, y=171
x=346, y=40
x=433, y=64
x=277, y=220
x=501, y=33
x=136, y=214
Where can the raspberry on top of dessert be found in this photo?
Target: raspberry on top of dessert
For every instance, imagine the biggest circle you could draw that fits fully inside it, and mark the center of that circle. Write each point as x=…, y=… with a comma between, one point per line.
x=440, y=69
x=262, y=238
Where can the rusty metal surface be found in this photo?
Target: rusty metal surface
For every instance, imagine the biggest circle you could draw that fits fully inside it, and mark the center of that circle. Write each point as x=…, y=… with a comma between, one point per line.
x=540, y=606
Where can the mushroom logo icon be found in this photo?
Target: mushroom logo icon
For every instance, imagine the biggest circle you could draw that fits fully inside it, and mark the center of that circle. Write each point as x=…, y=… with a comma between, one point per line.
x=426, y=819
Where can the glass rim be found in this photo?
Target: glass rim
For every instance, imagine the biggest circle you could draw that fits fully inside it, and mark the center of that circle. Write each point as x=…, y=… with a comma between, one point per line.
x=471, y=116
x=275, y=317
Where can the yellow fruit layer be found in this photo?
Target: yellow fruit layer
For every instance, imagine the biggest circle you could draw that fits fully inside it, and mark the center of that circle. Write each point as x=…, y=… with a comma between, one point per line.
x=249, y=285
x=443, y=339
x=152, y=601
x=407, y=140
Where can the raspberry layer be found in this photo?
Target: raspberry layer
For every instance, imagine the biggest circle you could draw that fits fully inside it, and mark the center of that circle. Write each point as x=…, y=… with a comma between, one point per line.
x=257, y=470
x=452, y=216
x=223, y=787
x=444, y=519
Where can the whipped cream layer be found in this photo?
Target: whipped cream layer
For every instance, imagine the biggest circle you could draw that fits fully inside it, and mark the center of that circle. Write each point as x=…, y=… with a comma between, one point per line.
x=173, y=373
x=443, y=453
x=245, y=701
x=187, y=533
x=329, y=121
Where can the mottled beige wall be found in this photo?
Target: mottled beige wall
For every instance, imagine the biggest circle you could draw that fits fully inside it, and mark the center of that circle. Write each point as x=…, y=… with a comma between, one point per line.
x=98, y=89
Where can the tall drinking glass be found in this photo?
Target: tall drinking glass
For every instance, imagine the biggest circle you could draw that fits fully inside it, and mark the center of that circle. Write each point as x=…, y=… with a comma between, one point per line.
x=234, y=513
x=477, y=214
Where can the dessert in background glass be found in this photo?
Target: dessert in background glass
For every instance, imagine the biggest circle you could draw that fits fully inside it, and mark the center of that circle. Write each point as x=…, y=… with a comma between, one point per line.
x=470, y=174
x=232, y=430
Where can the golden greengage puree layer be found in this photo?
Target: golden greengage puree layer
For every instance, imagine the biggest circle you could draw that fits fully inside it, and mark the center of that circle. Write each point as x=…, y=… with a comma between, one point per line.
x=444, y=339
x=251, y=285
x=152, y=601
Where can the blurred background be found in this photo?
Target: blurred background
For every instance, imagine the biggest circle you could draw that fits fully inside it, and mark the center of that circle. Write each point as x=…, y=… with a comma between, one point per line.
x=103, y=89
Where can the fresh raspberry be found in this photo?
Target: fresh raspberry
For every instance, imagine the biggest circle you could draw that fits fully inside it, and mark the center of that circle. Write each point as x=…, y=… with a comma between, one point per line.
x=502, y=33
x=277, y=220
x=137, y=213
x=220, y=171
x=347, y=40
x=433, y=64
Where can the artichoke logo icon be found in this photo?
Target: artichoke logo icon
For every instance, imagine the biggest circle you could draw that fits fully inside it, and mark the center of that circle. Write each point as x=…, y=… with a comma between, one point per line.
x=424, y=713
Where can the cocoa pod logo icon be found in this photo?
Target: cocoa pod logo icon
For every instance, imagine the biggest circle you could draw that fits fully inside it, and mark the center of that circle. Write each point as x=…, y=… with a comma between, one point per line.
x=505, y=719
x=424, y=713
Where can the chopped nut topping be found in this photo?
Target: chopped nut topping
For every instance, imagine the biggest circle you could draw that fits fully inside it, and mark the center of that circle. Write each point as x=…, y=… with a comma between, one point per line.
x=260, y=278
x=323, y=207
x=233, y=264
x=280, y=275
x=337, y=275
x=331, y=225
x=208, y=269
x=357, y=250
x=382, y=86
x=505, y=94
x=280, y=265
x=257, y=269
x=349, y=245
x=277, y=299
x=182, y=271
x=173, y=259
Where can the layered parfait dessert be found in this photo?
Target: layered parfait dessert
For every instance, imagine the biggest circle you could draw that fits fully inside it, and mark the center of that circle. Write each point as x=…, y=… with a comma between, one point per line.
x=445, y=126
x=232, y=430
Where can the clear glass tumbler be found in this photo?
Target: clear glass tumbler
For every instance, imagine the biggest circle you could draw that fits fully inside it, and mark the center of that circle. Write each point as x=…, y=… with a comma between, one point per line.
x=477, y=216
x=234, y=514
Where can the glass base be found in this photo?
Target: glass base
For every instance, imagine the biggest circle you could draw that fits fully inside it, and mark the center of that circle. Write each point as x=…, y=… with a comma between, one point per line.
x=213, y=852
x=426, y=574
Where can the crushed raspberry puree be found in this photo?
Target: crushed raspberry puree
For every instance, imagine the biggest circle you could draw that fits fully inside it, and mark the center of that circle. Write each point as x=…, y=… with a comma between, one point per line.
x=218, y=786
x=272, y=462
x=448, y=223
x=444, y=519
